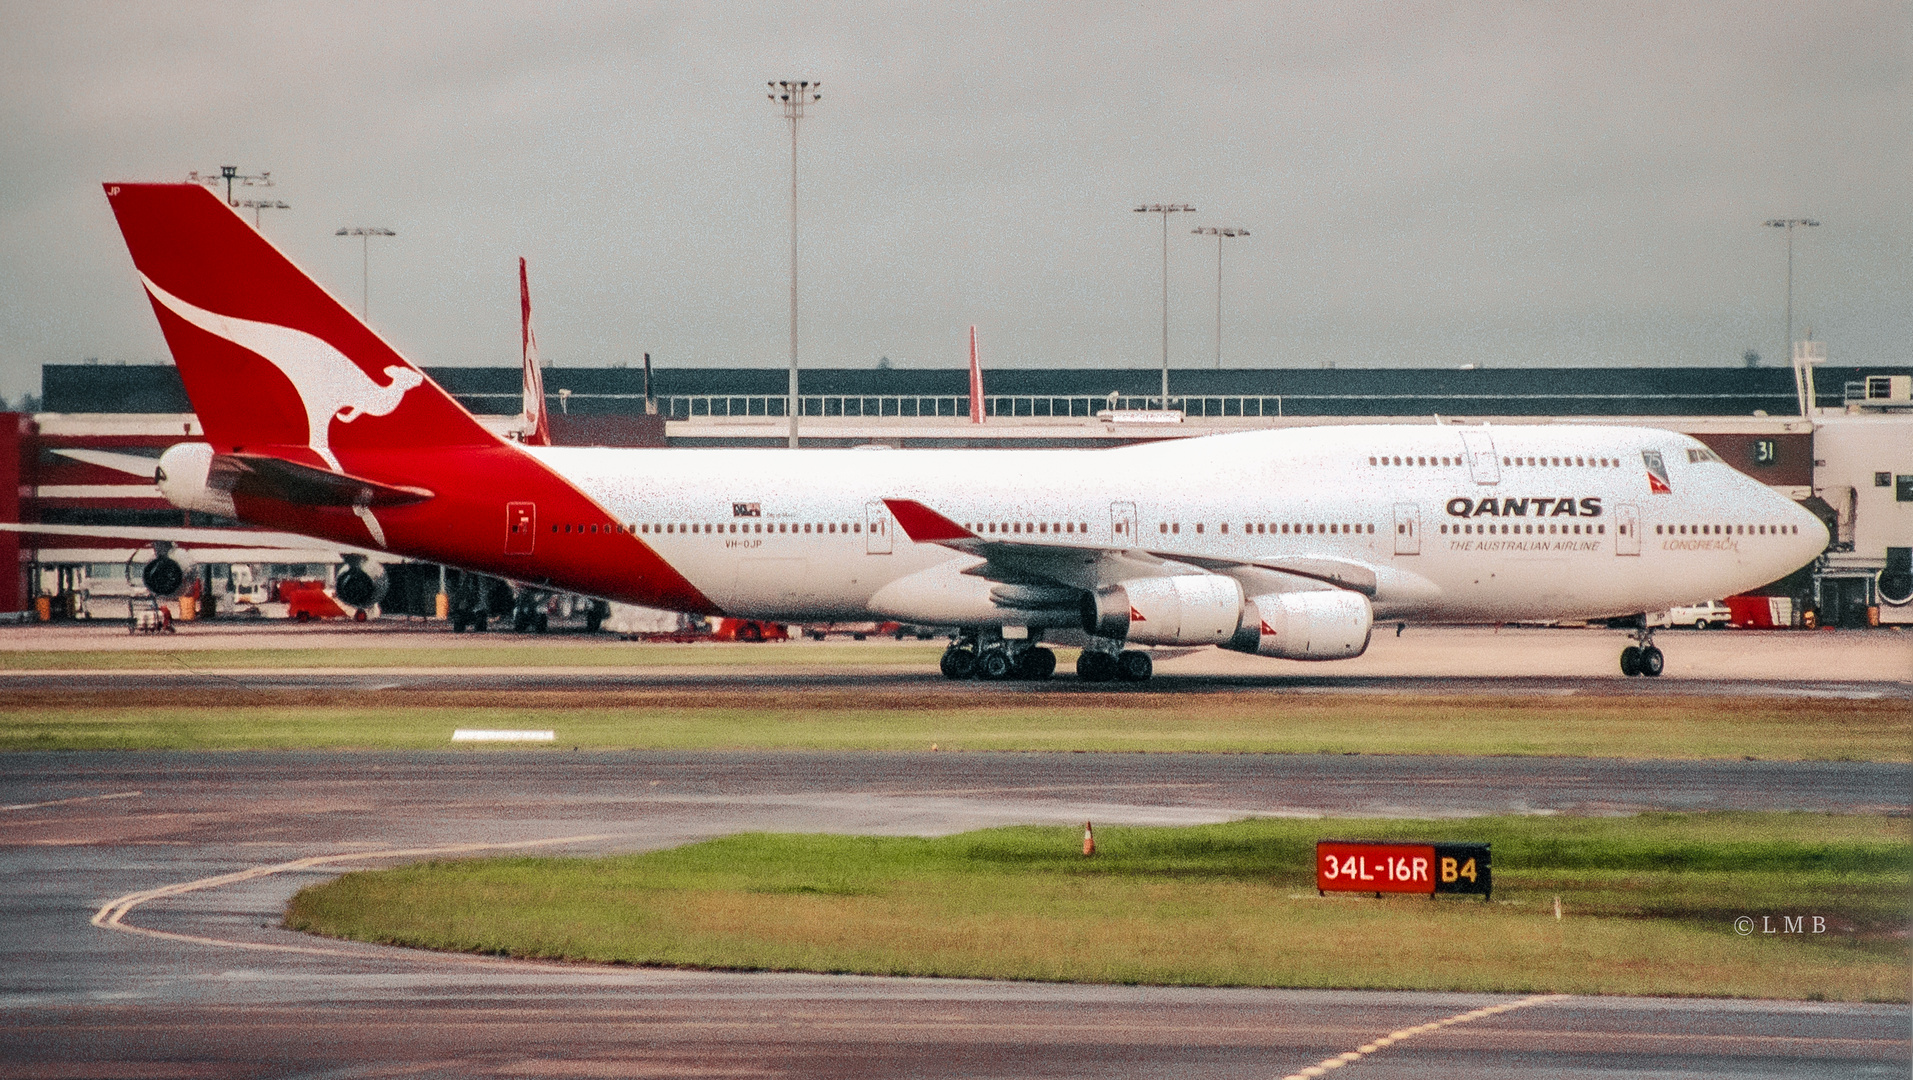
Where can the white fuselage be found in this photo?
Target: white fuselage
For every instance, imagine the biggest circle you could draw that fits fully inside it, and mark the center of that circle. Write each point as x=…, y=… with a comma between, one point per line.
x=1465, y=530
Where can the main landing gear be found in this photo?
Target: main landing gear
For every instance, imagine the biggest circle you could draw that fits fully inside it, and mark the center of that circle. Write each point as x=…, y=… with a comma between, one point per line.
x=1642, y=658
x=985, y=655
x=1102, y=663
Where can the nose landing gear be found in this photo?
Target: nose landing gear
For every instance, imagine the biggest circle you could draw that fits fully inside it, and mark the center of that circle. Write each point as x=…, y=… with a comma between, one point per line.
x=1642, y=658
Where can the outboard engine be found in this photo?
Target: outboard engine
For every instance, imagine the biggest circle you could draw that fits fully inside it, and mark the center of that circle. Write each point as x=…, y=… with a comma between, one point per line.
x=361, y=584
x=170, y=573
x=1327, y=625
x=1189, y=609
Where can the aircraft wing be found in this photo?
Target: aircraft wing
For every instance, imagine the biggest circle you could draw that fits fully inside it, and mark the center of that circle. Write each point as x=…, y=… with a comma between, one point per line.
x=1093, y=567
x=266, y=542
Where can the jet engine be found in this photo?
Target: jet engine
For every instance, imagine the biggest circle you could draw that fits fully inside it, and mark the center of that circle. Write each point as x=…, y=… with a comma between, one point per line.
x=1305, y=626
x=170, y=573
x=361, y=584
x=182, y=479
x=1189, y=609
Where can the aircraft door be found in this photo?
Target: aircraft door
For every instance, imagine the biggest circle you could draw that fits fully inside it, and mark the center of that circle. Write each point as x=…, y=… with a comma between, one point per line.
x=1483, y=465
x=1407, y=529
x=1122, y=524
x=521, y=527
x=1627, y=530
x=877, y=539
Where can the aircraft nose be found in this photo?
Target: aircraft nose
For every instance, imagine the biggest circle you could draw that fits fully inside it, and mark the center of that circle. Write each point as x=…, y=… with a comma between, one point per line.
x=1813, y=537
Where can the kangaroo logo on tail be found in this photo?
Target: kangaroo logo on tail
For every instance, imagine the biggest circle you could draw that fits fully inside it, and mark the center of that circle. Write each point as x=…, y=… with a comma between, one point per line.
x=330, y=385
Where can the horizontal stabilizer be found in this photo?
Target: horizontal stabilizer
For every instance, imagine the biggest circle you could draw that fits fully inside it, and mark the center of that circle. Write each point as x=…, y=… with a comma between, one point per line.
x=130, y=464
x=190, y=536
x=263, y=476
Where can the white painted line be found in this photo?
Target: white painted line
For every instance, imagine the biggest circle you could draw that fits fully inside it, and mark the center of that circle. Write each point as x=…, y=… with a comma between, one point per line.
x=79, y=799
x=109, y=916
x=481, y=735
x=1326, y=1064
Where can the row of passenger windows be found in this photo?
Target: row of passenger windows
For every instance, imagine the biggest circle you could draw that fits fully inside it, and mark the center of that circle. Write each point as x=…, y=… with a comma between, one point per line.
x=1298, y=528
x=729, y=527
x=1525, y=530
x=1727, y=530
x=983, y=528
x=1508, y=460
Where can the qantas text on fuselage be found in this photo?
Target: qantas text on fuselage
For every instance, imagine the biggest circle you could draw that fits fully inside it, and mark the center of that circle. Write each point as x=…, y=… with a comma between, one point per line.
x=1287, y=543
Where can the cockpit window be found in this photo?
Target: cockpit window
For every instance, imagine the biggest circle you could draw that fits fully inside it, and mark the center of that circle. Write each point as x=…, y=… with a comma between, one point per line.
x=1695, y=456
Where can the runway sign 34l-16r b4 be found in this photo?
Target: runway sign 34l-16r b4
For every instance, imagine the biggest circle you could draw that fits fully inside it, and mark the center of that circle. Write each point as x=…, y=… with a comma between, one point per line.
x=1381, y=867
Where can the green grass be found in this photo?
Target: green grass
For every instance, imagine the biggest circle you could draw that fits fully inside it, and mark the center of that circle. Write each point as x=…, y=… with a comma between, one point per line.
x=974, y=719
x=1649, y=906
x=514, y=652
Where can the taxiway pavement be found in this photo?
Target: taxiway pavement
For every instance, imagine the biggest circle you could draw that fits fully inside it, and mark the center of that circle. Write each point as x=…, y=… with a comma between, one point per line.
x=232, y=995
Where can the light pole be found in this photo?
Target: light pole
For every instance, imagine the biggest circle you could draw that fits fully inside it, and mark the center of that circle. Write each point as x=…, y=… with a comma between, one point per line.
x=365, y=235
x=1788, y=224
x=228, y=174
x=1220, y=235
x=257, y=206
x=1165, y=209
x=794, y=95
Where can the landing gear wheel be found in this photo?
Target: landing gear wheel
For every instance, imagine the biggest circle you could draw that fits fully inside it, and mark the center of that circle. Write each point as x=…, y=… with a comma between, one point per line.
x=995, y=665
x=958, y=664
x=543, y=624
x=1037, y=664
x=458, y=622
x=1134, y=666
x=1652, y=662
x=1631, y=661
x=1095, y=666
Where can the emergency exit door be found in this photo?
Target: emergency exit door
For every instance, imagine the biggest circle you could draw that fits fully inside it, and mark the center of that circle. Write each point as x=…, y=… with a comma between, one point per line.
x=877, y=528
x=1122, y=524
x=521, y=527
x=1483, y=466
x=1627, y=530
x=1407, y=529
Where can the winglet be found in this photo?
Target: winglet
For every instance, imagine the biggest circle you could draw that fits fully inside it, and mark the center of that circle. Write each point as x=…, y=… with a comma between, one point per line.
x=924, y=525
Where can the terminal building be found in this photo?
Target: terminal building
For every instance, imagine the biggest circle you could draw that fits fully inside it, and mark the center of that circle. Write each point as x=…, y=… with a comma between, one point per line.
x=1838, y=440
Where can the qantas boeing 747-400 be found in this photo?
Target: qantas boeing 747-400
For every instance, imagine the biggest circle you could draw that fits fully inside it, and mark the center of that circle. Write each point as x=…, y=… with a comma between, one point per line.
x=1288, y=543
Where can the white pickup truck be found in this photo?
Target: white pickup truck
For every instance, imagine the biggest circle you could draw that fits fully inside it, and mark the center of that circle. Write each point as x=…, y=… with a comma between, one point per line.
x=1704, y=615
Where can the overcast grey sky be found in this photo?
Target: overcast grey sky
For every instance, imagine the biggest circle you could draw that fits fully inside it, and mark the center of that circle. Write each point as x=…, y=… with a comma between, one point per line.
x=1509, y=184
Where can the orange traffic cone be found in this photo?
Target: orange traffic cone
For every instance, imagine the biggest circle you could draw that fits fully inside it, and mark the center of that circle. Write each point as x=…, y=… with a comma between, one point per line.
x=1089, y=839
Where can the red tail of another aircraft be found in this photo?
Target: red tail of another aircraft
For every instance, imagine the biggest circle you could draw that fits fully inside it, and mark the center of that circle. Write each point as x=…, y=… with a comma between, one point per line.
x=976, y=382
x=535, y=429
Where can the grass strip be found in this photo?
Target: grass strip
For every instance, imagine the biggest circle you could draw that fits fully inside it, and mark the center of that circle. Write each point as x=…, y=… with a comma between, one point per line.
x=1649, y=905
x=513, y=652
x=985, y=718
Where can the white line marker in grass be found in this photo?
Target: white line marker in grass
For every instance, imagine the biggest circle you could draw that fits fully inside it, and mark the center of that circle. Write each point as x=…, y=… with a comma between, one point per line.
x=1394, y=1037
x=78, y=799
x=482, y=735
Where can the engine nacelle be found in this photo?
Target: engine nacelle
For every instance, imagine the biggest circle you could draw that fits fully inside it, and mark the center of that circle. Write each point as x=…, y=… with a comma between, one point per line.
x=1306, y=626
x=170, y=574
x=1190, y=609
x=182, y=478
x=361, y=584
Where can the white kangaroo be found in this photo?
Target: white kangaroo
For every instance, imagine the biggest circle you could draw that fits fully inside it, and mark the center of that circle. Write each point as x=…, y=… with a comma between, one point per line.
x=330, y=385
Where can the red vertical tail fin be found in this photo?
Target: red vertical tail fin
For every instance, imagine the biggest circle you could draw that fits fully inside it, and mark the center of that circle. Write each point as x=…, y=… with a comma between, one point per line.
x=271, y=361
